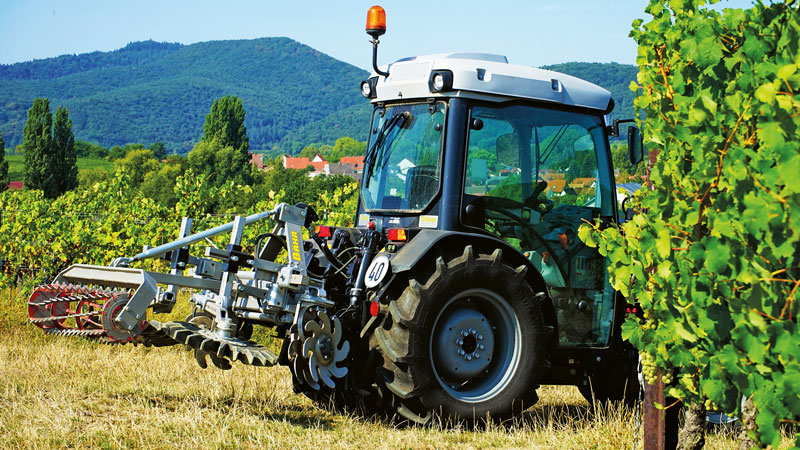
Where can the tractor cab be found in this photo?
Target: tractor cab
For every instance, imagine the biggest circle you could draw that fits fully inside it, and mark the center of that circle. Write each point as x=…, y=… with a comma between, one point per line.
x=472, y=144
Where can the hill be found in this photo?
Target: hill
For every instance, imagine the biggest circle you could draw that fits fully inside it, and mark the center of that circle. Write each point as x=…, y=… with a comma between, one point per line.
x=151, y=91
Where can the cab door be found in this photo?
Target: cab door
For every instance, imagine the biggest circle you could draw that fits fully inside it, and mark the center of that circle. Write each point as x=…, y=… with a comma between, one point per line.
x=533, y=176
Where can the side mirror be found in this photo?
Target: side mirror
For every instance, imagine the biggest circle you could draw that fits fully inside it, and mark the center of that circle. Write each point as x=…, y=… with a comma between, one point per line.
x=635, y=145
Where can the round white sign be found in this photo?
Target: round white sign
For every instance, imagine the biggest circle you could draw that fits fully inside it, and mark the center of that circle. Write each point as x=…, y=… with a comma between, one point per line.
x=377, y=270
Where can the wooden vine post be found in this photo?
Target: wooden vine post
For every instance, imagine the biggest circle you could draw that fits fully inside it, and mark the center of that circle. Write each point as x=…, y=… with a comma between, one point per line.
x=660, y=425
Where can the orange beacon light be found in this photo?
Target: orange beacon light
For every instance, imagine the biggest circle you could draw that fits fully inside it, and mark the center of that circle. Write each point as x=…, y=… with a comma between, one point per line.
x=376, y=21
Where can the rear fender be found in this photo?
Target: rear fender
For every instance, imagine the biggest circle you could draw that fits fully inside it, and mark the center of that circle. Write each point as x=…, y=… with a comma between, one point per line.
x=435, y=242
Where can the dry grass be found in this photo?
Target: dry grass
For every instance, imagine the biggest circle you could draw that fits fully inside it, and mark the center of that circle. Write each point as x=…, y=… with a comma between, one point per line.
x=72, y=393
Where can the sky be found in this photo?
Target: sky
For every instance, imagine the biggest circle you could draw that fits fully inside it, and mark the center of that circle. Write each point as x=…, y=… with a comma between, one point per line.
x=528, y=32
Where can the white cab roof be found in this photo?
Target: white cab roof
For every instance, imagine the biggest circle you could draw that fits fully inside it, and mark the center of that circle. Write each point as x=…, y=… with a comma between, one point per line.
x=489, y=77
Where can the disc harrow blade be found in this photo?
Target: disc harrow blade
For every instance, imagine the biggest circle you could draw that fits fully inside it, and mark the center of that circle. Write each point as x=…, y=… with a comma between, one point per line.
x=217, y=347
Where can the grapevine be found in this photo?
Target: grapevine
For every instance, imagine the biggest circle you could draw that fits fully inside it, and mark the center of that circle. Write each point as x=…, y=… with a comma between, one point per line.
x=93, y=225
x=712, y=256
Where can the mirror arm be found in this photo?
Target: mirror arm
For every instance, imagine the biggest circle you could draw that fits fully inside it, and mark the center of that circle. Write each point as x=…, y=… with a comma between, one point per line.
x=614, y=131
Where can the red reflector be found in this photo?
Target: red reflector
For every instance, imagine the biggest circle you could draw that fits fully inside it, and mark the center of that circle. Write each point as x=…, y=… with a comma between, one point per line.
x=628, y=310
x=323, y=231
x=562, y=238
x=397, y=234
x=370, y=225
x=374, y=309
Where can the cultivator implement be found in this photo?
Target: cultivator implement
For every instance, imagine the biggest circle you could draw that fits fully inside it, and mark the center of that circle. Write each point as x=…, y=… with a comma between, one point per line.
x=233, y=291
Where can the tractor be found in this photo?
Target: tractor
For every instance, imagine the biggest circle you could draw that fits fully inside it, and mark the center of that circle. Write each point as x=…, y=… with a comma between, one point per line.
x=462, y=286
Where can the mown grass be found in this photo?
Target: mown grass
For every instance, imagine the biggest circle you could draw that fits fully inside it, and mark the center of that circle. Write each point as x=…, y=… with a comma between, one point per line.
x=16, y=166
x=73, y=393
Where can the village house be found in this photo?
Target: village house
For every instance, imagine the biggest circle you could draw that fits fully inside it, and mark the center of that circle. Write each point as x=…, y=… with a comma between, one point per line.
x=352, y=166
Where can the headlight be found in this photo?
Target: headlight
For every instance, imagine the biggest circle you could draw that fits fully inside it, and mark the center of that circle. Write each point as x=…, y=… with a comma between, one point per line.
x=441, y=80
x=438, y=81
x=368, y=87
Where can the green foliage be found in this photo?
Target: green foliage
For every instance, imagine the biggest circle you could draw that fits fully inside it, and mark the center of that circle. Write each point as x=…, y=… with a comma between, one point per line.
x=337, y=207
x=296, y=185
x=38, y=142
x=85, y=149
x=65, y=159
x=220, y=163
x=159, y=150
x=225, y=124
x=712, y=256
x=158, y=184
x=116, y=152
x=3, y=165
x=138, y=164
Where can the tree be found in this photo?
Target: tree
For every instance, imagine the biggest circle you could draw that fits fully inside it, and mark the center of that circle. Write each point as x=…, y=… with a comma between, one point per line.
x=64, y=157
x=88, y=150
x=159, y=150
x=220, y=163
x=137, y=164
x=3, y=165
x=50, y=158
x=38, y=140
x=116, y=152
x=223, y=130
x=225, y=123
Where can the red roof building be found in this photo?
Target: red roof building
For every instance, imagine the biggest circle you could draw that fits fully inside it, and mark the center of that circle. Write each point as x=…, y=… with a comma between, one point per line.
x=16, y=185
x=358, y=161
x=317, y=162
x=257, y=160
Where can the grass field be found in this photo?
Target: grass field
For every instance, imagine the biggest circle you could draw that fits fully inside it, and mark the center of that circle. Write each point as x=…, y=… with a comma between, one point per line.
x=73, y=393
x=16, y=166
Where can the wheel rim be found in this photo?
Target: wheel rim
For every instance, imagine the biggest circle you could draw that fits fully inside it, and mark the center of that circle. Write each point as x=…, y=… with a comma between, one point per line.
x=475, y=345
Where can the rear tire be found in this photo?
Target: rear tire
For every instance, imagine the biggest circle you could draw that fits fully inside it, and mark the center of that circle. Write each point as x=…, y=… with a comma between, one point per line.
x=467, y=344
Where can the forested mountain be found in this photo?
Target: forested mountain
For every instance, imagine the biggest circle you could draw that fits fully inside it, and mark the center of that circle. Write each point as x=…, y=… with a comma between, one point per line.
x=150, y=91
x=160, y=92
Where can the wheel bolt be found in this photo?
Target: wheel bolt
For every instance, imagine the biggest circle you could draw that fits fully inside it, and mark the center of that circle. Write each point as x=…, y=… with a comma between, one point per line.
x=472, y=331
x=480, y=346
x=480, y=337
x=476, y=355
x=464, y=333
x=461, y=352
x=459, y=342
x=469, y=357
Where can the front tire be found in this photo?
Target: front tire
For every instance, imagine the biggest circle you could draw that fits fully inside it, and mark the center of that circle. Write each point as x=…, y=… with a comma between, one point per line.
x=467, y=344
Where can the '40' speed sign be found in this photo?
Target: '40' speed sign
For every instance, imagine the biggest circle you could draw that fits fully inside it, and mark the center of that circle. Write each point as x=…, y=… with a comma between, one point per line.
x=377, y=270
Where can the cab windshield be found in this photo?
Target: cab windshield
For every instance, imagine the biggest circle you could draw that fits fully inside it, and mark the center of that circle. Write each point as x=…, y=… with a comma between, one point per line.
x=403, y=165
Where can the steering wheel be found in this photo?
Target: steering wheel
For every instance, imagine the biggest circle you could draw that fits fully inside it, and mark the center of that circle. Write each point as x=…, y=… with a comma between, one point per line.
x=541, y=205
x=497, y=208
